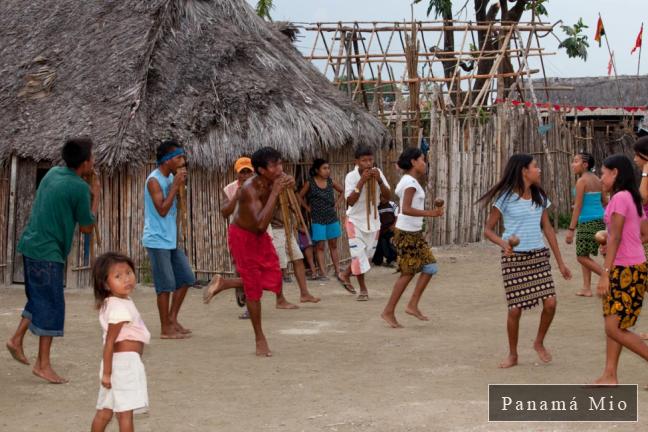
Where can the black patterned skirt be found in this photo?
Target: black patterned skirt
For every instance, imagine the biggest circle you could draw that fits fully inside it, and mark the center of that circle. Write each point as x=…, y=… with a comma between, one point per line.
x=586, y=244
x=627, y=288
x=413, y=251
x=527, y=278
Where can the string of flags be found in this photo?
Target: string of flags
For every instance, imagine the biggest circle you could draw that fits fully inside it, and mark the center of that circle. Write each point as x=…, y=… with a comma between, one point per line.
x=579, y=108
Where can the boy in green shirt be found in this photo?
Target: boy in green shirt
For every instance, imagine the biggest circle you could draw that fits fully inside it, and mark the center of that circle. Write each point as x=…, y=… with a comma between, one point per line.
x=63, y=199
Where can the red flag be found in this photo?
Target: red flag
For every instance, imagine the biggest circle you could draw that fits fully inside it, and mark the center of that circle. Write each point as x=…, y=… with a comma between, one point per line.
x=638, y=41
x=610, y=63
x=600, y=31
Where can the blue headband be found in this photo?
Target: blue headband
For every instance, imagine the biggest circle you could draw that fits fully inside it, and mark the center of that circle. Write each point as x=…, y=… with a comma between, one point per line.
x=170, y=155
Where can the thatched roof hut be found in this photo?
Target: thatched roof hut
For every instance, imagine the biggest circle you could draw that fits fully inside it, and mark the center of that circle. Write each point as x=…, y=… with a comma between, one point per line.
x=128, y=73
x=597, y=91
x=210, y=73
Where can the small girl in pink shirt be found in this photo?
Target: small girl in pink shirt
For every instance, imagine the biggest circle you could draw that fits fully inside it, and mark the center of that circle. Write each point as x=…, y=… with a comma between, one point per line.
x=123, y=378
x=625, y=264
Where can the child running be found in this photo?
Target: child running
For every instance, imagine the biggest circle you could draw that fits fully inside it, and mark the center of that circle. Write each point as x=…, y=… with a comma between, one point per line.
x=414, y=254
x=319, y=195
x=625, y=264
x=362, y=224
x=588, y=214
x=123, y=378
x=522, y=204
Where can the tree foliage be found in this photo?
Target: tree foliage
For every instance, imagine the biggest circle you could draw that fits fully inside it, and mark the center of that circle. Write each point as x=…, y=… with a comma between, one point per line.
x=263, y=8
x=576, y=42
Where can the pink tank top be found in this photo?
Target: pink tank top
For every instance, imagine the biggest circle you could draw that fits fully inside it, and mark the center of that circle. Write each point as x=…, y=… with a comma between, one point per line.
x=116, y=310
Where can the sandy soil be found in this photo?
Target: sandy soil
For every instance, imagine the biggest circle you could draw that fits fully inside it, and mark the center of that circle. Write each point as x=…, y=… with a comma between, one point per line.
x=337, y=367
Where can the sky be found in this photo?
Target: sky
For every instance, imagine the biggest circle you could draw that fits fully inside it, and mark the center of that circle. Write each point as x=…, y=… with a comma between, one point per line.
x=622, y=20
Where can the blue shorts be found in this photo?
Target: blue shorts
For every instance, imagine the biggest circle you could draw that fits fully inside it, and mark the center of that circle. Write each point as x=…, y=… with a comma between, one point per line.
x=171, y=269
x=321, y=232
x=45, y=306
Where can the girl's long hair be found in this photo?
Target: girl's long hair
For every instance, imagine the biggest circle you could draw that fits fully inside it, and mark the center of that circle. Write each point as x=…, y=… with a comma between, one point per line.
x=317, y=164
x=100, y=271
x=513, y=181
x=625, y=179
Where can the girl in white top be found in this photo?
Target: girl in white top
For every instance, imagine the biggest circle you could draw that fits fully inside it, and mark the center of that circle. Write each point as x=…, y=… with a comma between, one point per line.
x=414, y=254
x=123, y=387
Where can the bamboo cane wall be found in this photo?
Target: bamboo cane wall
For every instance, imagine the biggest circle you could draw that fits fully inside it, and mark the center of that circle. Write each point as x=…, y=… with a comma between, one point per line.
x=4, y=219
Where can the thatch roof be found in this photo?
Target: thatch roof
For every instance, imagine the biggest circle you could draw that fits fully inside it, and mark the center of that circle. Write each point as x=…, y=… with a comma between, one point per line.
x=129, y=73
x=597, y=91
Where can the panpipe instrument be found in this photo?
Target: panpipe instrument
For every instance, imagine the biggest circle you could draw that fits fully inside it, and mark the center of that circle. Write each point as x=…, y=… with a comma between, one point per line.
x=372, y=205
x=90, y=179
x=182, y=210
x=288, y=202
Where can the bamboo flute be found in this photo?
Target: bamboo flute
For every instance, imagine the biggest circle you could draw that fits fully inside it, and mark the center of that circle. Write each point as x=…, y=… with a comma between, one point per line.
x=285, y=214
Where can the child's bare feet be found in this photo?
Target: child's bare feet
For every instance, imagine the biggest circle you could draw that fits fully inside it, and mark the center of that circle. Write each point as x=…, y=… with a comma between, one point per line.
x=17, y=353
x=213, y=287
x=510, y=361
x=180, y=329
x=545, y=356
x=390, y=319
x=262, y=348
x=606, y=379
x=49, y=375
x=308, y=298
x=585, y=292
x=170, y=332
x=285, y=304
x=416, y=312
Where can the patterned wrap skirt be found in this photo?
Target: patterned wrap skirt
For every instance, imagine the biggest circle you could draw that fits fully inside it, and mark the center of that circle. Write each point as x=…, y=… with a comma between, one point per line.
x=627, y=288
x=586, y=245
x=413, y=251
x=527, y=278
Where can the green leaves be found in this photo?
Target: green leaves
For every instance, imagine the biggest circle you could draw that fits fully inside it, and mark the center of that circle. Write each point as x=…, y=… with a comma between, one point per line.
x=263, y=8
x=537, y=7
x=575, y=44
x=440, y=7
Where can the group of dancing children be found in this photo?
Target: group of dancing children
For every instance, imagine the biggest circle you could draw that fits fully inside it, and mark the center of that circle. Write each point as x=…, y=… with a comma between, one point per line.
x=261, y=246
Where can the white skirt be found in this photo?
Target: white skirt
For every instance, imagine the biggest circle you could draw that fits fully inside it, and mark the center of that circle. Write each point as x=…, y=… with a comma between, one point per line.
x=128, y=385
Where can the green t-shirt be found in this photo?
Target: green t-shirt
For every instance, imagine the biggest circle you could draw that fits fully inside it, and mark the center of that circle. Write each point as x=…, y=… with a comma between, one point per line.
x=62, y=201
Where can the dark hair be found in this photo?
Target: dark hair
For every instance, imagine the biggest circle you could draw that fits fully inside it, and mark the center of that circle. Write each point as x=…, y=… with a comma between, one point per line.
x=166, y=146
x=512, y=181
x=588, y=159
x=76, y=151
x=264, y=156
x=363, y=150
x=405, y=158
x=100, y=270
x=641, y=147
x=625, y=179
x=317, y=164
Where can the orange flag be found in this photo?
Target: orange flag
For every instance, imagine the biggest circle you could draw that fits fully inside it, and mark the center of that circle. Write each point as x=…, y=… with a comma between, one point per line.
x=600, y=31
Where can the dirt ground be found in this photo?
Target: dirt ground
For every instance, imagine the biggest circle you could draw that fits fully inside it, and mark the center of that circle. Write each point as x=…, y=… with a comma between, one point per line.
x=336, y=365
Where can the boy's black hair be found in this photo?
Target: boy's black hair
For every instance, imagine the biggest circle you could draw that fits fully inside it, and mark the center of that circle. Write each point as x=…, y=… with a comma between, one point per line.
x=100, y=270
x=363, y=150
x=76, y=151
x=166, y=146
x=405, y=158
x=264, y=156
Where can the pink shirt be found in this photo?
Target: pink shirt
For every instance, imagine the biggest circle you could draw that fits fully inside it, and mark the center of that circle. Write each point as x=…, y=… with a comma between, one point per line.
x=116, y=310
x=630, y=250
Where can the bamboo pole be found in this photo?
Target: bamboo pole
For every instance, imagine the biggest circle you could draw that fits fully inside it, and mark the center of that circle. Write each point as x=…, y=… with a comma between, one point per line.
x=11, y=226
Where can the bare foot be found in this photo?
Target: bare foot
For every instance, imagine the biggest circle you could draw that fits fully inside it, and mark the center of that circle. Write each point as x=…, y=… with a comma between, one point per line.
x=180, y=329
x=49, y=375
x=584, y=293
x=309, y=299
x=17, y=353
x=417, y=313
x=262, y=348
x=606, y=380
x=170, y=332
x=509, y=361
x=391, y=320
x=213, y=287
x=545, y=356
x=285, y=304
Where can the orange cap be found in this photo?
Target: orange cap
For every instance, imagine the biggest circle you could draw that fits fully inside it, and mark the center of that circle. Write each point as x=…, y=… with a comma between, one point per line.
x=242, y=163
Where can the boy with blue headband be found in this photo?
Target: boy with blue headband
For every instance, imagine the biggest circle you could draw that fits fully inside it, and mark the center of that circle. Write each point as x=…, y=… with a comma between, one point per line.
x=170, y=267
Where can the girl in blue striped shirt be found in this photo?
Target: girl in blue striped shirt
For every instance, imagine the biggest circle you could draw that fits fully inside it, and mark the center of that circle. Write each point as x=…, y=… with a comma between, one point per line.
x=522, y=204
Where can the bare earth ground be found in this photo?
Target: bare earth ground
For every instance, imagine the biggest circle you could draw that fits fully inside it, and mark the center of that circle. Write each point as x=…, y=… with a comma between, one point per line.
x=337, y=367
